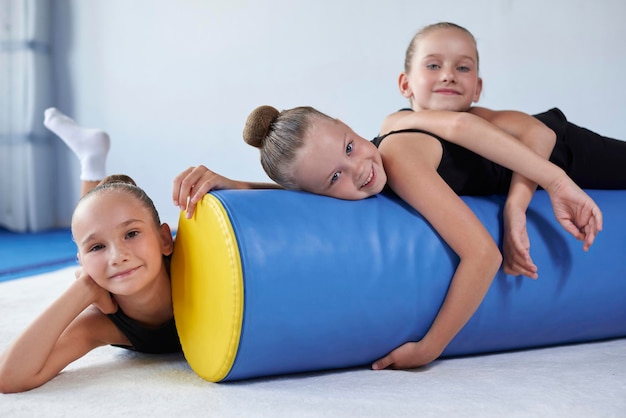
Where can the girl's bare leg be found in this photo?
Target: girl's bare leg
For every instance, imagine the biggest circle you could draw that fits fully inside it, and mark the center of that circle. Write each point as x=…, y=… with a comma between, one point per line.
x=86, y=186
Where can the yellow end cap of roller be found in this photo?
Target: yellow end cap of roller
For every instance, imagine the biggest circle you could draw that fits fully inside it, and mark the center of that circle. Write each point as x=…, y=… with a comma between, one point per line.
x=207, y=289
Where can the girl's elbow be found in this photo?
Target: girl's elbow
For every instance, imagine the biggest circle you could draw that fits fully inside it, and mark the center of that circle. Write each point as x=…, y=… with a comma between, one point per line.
x=461, y=120
x=459, y=124
x=540, y=137
x=497, y=260
x=7, y=385
x=10, y=382
x=491, y=258
x=4, y=379
x=8, y=388
x=485, y=258
x=550, y=141
x=3, y=386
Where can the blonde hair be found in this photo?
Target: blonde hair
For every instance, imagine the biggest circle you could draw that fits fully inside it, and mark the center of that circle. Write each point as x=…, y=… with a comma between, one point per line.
x=410, y=51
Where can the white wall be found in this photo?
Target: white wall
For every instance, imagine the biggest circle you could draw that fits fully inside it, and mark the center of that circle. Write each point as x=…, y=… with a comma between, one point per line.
x=173, y=81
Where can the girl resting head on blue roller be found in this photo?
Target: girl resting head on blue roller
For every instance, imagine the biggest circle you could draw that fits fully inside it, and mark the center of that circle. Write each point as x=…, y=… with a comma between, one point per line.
x=121, y=295
x=303, y=149
x=441, y=72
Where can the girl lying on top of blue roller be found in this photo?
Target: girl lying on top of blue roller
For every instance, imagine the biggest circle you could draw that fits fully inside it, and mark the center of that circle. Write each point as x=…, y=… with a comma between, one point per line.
x=304, y=149
x=441, y=67
x=484, y=152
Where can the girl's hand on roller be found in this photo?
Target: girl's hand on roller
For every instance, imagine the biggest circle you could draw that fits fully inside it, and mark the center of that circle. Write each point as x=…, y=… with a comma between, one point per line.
x=516, y=245
x=576, y=211
x=191, y=185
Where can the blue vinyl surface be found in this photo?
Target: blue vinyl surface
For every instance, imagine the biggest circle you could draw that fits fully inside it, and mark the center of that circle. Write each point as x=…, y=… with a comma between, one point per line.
x=334, y=284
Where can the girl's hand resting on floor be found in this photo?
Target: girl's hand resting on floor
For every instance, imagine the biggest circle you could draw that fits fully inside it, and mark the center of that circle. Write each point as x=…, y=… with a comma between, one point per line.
x=408, y=356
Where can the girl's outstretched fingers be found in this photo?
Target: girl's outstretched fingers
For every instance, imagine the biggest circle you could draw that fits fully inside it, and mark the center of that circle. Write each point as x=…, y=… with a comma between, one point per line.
x=383, y=363
x=591, y=229
x=190, y=186
x=180, y=193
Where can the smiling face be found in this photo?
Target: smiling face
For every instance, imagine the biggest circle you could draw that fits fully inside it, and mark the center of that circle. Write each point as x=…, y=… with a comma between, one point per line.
x=334, y=161
x=119, y=244
x=443, y=71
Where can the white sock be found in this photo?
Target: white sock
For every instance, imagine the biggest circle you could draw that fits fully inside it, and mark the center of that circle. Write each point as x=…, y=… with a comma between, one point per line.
x=91, y=146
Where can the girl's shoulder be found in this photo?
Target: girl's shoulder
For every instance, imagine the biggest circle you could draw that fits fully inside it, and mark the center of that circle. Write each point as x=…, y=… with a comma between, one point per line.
x=98, y=327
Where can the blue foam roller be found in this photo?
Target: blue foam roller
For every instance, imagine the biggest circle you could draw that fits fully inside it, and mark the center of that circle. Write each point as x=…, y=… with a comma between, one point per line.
x=309, y=283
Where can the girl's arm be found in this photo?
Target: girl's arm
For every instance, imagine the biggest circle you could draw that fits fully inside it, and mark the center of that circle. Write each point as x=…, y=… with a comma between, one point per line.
x=411, y=172
x=573, y=208
x=64, y=332
x=541, y=139
x=191, y=185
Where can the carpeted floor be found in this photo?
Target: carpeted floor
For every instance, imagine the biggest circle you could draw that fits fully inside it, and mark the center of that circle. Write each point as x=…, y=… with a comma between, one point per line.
x=585, y=380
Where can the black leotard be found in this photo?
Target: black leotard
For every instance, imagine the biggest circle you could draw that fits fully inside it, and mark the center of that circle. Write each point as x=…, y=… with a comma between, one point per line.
x=591, y=160
x=159, y=340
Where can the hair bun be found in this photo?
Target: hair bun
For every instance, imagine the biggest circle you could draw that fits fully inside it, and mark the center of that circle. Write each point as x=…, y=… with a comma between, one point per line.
x=258, y=125
x=118, y=178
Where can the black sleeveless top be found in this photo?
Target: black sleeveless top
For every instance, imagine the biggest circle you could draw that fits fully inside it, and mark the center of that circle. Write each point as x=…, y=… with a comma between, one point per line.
x=468, y=173
x=160, y=340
